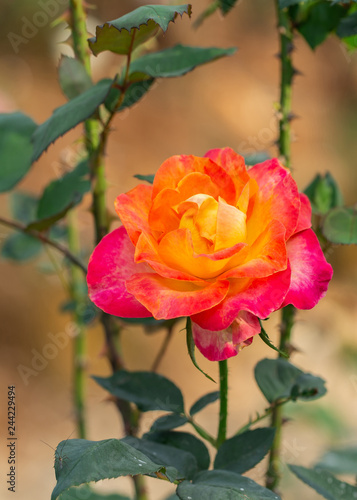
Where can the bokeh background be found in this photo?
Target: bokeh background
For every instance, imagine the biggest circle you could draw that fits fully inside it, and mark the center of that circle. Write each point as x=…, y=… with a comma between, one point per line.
x=227, y=103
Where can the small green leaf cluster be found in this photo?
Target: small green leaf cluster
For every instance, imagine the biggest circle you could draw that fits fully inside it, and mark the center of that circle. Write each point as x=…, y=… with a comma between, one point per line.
x=335, y=223
x=316, y=20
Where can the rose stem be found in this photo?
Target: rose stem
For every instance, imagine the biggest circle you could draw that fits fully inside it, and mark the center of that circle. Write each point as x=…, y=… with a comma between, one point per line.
x=223, y=398
x=95, y=145
x=163, y=349
x=42, y=237
x=286, y=35
x=79, y=296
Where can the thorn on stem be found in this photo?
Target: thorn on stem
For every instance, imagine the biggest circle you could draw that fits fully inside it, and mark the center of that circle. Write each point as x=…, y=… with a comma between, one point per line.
x=297, y=72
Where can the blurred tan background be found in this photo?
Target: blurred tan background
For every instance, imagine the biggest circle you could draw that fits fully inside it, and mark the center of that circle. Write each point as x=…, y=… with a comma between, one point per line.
x=226, y=103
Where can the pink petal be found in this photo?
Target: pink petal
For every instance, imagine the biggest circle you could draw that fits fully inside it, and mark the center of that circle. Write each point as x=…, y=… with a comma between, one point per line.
x=304, y=220
x=260, y=297
x=167, y=298
x=310, y=272
x=278, y=195
x=223, y=344
x=110, y=265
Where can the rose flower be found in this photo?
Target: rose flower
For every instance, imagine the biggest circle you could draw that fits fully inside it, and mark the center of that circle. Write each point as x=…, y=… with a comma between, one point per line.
x=215, y=241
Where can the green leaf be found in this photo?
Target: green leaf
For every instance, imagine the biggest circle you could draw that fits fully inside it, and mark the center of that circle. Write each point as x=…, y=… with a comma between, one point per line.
x=323, y=193
x=69, y=116
x=256, y=158
x=279, y=379
x=181, y=460
x=288, y=3
x=88, y=313
x=340, y=226
x=226, y=5
x=223, y=485
x=147, y=178
x=23, y=206
x=84, y=461
x=350, y=43
x=265, y=338
x=325, y=483
x=168, y=422
x=323, y=18
x=16, y=130
x=149, y=391
x=73, y=77
x=347, y=26
x=175, y=61
x=86, y=493
x=339, y=460
x=204, y=401
x=152, y=322
x=59, y=232
x=243, y=452
x=20, y=247
x=125, y=34
x=191, y=348
x=183, y=441
x=152, y=325
x=47, y=222
x=133, y=94
x=64, y=193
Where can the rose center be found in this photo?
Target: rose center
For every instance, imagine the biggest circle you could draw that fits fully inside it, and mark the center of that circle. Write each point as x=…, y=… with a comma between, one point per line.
x=214, y=225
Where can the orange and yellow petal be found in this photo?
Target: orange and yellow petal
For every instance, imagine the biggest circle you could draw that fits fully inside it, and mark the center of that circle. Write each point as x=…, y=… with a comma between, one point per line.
x=233, y=164
x=267, y=255
x=133, y=209
x=174, y=169
x=231, y=226
x=167, y=298
x=146, y=251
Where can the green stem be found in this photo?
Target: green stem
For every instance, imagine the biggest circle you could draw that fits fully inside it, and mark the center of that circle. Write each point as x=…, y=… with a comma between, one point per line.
x=202, y=432
x=91, y=126
x=42, y=237
x=140, y=488
x=259, y=418
x=223, y=397
x=273, y=475
x=96, y=139
x=163, y=349
x=79, y=296
x=286, y=36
